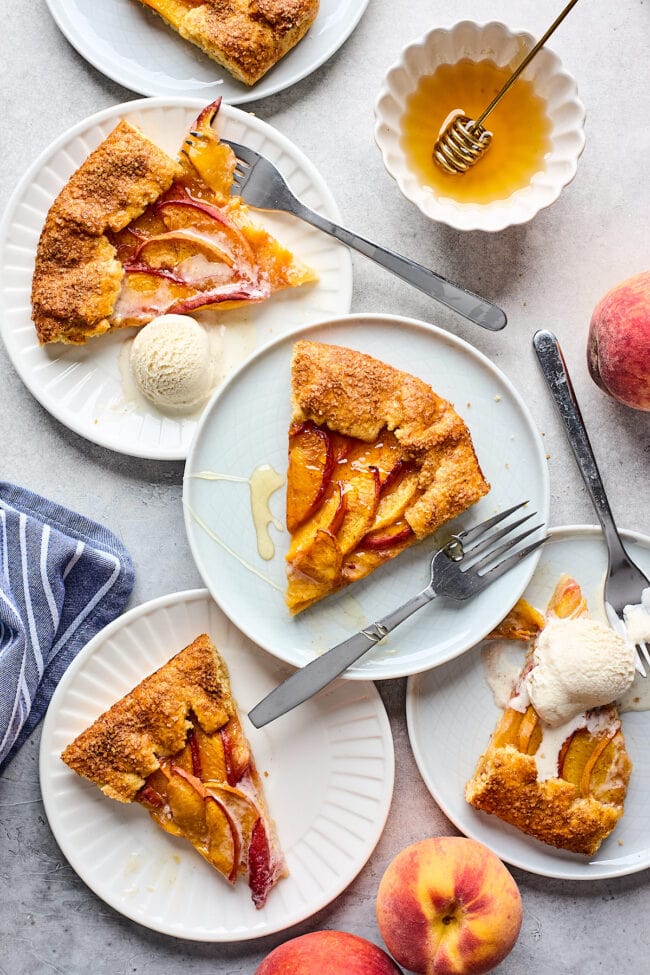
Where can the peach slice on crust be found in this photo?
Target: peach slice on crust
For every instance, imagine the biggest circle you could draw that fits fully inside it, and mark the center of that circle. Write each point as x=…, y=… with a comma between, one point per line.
x=311, y=462
x=328, y=517
x=315, y=571
x=362, y=498
x=389, y=537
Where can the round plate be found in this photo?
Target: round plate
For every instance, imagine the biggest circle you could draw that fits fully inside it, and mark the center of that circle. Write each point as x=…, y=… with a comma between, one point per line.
x=329, y=768
x=82, y=386
x=246, y=425
x=136, y=48
x=451, y=715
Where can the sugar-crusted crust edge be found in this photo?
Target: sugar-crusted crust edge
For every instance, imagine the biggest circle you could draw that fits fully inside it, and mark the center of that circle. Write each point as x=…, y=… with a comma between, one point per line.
x=246, y=37
x=357, y=395
x=505, y=784
x=125, y=744
x=76, y=275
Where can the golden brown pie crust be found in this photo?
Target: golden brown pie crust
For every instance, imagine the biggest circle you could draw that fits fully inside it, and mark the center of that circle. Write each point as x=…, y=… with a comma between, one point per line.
x=419, y=459
x=354, y=394
x=175, y=744
x=76, y=277
x=505, y=783
x=89, y=276
x=246, y=37
x=126, y=743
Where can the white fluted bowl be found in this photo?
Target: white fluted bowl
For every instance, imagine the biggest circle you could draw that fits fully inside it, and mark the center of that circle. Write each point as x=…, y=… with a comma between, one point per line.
x=557, y=87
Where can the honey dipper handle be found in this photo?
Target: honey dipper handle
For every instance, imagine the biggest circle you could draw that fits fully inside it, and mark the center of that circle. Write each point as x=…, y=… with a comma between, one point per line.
x=524, y=64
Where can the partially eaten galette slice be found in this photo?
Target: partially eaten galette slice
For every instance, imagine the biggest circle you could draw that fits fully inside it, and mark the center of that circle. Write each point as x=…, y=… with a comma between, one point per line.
x=563, y=782
x=377, y=461
x=175, y=744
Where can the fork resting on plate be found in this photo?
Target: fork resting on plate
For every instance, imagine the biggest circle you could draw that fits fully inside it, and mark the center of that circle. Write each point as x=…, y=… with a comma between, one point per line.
x=262, y=185
x=625, y=581
x=462, y=568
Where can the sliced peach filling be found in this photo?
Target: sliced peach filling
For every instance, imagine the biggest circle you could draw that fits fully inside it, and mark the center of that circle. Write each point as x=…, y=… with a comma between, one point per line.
x=586, y=760
x=196, y=247
x=523, y=622
x=204, y=793
x=346, y=508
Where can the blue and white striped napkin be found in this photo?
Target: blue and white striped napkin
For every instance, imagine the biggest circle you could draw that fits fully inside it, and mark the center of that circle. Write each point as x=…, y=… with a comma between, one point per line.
x=62, y=578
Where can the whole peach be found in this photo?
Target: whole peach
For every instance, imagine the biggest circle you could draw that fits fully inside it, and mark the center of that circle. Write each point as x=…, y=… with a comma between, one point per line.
x=331, y=952
x=618, y=349
x=448, y=906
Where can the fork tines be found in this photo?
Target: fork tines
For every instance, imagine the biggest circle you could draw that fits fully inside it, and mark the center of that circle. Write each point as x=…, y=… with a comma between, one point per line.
x=244, y=160
x=642, y=652
x=471, y=533
x=480, y=541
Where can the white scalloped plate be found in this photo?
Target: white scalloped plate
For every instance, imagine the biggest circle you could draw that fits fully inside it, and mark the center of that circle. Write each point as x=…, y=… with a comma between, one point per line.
x=245, y=425
x=134, y=46
x=557, y=87
x=329, y=785
x=82, y=385
x=451, y=714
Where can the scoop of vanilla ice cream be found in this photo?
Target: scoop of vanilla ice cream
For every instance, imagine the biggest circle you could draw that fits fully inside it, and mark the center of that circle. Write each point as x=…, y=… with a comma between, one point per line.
x=577, y=664
x=171, y=363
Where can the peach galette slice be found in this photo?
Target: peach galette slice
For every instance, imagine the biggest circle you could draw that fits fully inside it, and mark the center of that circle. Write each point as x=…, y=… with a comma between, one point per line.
x=578, y=806
x=135, y=234
x=377, y=461
x=246, y=37
x=175, y=744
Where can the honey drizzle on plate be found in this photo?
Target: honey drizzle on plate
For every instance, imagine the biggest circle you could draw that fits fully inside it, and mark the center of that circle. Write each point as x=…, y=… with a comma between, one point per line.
x=263, y=482
x=519, y=123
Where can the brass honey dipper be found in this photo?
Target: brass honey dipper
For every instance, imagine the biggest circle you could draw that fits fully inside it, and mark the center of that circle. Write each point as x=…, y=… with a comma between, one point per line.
x=462, y=141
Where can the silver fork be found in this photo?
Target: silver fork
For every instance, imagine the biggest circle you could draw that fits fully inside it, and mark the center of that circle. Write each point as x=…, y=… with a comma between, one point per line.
x=625, y=581
x=262, y=185
x=474, y=548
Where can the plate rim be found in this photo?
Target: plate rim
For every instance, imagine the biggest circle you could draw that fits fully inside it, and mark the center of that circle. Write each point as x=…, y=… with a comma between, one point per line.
x=595, y=873
x=93, y=646
x=114, y=111
x=62, y=20
x=349, y=319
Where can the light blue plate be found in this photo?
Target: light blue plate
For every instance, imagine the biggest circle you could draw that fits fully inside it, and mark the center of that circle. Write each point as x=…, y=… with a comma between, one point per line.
x=245, y=425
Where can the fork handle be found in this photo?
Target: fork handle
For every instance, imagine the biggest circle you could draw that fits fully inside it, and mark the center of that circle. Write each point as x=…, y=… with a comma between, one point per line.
x=324, y=669
x=467, y=304
x=557, y=377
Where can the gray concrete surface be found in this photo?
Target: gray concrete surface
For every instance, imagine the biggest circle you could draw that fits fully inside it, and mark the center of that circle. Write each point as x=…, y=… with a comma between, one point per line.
x=548, y=273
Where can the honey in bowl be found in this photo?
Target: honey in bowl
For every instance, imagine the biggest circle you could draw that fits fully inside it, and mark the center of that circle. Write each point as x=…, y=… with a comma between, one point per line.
x=520, y=125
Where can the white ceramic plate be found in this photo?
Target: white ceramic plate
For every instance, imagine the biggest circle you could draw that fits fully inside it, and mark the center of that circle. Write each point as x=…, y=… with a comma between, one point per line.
x=330, y=780
x=451, y=715
x=134, y=47
x=246, y=425
x=82, y=386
